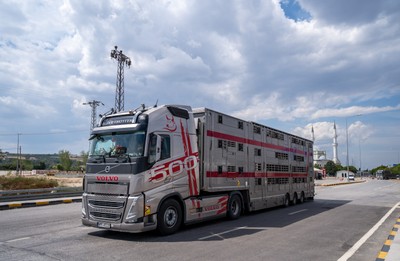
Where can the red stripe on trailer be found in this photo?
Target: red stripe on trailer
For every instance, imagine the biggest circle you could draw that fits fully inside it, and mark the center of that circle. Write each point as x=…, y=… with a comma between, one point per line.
x=216, y=174
x=225, y=136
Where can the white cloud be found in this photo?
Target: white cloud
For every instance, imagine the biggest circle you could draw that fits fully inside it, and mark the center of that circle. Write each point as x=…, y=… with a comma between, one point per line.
x=241, y=57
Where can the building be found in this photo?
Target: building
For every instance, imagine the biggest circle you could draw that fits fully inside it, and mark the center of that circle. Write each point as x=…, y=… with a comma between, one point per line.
x=320, y=157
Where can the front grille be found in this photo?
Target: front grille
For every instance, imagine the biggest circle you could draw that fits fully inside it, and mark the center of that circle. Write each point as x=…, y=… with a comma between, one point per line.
x=106, y=207
x=106, y=216
x=106, y=204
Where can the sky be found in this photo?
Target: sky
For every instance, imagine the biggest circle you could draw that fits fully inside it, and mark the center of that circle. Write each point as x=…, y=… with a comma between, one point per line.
x=292, y=65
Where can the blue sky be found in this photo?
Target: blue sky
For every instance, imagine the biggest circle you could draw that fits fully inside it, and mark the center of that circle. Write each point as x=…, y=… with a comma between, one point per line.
x=286, y=64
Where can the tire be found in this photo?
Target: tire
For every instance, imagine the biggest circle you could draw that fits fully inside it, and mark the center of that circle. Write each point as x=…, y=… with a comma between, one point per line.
x=301, y=200
x=169, y=218
x=286, y=203
x=294, y=201
x=234, y=207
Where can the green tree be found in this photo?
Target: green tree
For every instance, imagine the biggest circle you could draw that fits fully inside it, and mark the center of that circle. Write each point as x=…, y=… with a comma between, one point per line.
x=396, y=169
x=381, y=167
x=330, y=168
x=84, y=156
x=26, y=164
x=65, y=159
x=40, y=165
x=352, y=169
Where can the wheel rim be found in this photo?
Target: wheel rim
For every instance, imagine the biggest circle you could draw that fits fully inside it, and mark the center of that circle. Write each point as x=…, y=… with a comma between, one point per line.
x=235, y=207
x=170, y=217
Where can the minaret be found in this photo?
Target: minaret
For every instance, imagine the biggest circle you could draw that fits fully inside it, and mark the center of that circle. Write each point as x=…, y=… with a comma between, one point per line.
x=312, y=133
x=335, y=144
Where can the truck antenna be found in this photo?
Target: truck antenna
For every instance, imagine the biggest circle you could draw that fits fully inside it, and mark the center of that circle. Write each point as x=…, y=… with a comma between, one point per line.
x=111, y=111
x=155, y=105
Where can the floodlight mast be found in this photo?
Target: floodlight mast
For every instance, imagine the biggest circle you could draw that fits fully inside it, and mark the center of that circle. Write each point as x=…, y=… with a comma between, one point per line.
x=94, y=105
x=119, y=93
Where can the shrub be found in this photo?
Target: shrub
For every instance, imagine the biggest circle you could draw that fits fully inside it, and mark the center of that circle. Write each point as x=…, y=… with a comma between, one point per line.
x=20, y=182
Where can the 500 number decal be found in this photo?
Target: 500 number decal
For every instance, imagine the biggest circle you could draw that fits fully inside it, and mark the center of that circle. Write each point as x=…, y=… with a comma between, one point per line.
x=172, y=169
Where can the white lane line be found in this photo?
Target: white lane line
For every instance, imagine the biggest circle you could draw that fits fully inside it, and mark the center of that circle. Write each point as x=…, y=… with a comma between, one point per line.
x=228, y=231
x=296, y=212
x=219, y=234
x=17, y=239
x=362, y=240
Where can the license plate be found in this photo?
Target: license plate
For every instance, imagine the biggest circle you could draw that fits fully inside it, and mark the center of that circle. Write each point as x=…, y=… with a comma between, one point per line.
x=103, y=225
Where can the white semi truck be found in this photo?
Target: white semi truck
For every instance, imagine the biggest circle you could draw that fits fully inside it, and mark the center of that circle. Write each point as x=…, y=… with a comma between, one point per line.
x=164, y=166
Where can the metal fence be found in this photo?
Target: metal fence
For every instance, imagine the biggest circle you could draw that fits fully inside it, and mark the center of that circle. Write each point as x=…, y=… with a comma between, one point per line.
x=30, y=194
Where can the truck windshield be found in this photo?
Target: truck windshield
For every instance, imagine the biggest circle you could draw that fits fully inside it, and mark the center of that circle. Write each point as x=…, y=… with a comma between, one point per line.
x=117, y=144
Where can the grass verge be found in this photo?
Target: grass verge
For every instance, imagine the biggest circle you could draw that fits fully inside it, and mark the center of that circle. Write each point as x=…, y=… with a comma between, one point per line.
x=20, y=182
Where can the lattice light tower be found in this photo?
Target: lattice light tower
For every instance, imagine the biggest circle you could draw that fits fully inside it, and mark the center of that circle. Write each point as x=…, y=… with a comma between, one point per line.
x=94, y=105
x=123, y=61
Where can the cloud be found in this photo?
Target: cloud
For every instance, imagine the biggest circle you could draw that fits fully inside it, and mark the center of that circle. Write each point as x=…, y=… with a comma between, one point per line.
x=243, y=58
x=352, y=111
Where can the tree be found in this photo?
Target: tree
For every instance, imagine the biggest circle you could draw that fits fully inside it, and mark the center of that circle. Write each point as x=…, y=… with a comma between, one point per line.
x=352, y=169
x=395, y=169
x=65, y=159
x=330, y=168
x=40, y=165
x=84, y=156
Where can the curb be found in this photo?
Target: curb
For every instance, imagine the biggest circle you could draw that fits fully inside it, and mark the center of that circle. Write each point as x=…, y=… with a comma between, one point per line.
x=386, y=246
x=38, y=203
x=342, y=183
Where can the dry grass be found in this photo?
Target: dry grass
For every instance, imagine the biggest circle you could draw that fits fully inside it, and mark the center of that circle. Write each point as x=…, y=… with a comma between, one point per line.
x=68, y=182
x=11, y=182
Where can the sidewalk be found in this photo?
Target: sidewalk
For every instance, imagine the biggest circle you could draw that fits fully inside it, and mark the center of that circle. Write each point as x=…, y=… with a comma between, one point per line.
x=329, y=181
x=391, y=249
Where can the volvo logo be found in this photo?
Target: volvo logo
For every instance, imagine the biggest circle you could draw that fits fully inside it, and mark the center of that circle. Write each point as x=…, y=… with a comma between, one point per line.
x=107, y=169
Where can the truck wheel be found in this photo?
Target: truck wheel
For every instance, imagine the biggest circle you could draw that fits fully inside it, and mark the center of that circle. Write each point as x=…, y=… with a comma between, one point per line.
x=286, y=203
x=294, y=202
x=169, y=217
x=301, y=200
x=234, y=207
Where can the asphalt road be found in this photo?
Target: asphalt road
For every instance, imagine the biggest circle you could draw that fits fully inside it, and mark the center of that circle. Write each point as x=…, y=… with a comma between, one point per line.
x=323, y=229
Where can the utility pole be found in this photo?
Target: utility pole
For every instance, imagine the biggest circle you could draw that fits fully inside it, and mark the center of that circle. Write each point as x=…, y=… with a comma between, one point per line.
x=94, y=105
x=18, y=154
x=119, y=93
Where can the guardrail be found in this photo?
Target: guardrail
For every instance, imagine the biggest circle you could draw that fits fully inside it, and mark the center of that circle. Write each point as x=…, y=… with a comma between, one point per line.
x=30, y=194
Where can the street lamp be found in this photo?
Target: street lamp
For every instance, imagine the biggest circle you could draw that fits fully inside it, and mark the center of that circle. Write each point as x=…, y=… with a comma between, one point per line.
x=347, y=145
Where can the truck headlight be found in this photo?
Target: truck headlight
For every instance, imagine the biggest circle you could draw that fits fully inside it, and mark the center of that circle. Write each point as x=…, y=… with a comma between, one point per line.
x=135, y=209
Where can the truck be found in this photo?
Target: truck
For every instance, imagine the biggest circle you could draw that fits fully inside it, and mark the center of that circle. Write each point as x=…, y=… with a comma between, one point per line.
x=384, y=174
x=162, y=167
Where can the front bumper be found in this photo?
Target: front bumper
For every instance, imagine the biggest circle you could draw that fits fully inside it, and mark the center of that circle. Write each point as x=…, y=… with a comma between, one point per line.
x=122, y=227
x=118, y=213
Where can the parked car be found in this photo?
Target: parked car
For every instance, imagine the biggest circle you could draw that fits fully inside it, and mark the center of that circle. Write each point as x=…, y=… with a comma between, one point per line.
x=351, y=177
